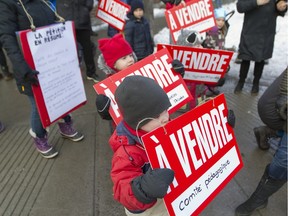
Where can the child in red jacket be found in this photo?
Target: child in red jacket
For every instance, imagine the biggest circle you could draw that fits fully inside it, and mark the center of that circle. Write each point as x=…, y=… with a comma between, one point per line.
x=143, y=105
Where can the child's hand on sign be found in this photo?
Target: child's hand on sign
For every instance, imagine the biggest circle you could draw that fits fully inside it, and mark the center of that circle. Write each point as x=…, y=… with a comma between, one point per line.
x=103, y=105
x=178, y=67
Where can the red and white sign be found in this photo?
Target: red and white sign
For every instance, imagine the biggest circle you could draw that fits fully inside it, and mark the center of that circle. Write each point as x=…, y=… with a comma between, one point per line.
x=197, y=15
x=113, y=12
x=156, y=66
x=201, y=148
x=201, y=65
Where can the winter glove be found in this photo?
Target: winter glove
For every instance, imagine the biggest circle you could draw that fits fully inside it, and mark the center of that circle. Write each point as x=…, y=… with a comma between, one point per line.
x=281, y=106
x=231, y=119
x=103, y=105
x=32, y=77
x=152, y=185
x=175, y=2
x=178, y=67
x=221, y=81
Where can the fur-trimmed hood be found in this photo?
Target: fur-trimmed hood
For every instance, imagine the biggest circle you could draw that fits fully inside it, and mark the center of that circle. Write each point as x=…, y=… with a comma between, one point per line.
x=105, y=68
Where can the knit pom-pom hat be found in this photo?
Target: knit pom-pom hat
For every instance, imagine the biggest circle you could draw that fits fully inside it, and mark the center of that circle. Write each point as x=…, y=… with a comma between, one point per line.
x=114, y=48
x=140, y=99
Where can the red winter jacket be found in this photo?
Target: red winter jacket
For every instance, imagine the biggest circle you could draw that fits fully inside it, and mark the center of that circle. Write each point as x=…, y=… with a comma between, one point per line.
x=129, y=161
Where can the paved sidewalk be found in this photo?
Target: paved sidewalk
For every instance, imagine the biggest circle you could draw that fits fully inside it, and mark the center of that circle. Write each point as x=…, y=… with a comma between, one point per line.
x=77, y=182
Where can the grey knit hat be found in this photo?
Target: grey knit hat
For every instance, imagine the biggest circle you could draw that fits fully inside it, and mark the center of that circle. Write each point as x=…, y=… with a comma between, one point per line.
x=140, y=97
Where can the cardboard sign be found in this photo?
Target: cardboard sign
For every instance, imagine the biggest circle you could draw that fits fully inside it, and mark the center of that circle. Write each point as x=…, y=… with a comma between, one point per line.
x=52, y=51
x=156, y=66
x=201, y=148
x=113, y=12
x=201, y=65
x=197, y=15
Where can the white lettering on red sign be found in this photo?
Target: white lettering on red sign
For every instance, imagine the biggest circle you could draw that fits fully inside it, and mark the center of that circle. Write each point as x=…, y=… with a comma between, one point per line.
x=201, y=61
x=191, y=13
x=211, y=134
x=114, y=8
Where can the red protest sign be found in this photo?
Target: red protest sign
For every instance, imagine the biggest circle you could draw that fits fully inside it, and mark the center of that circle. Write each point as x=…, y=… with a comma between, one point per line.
x=197, y=15
x=113, y=12
x=201, y=148
x=156, y=66
x=201, y=65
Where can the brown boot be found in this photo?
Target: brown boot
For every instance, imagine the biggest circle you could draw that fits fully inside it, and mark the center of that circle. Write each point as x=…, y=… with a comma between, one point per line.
x=262, y=134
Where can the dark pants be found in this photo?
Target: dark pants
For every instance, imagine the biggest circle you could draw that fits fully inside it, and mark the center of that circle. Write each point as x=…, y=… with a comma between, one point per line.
x=83, y=37
x=244, y=69
x=3, y=61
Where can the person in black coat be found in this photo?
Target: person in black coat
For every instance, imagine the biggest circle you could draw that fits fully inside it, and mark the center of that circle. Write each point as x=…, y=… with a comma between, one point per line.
x=79, y=12
x=24, y=15
x=272, y=109
x=257, y=37
x=137, y=31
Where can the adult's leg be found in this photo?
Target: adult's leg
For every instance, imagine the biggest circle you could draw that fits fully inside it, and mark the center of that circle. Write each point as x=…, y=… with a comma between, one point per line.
x=274, y=177
x=258, y=70
x=244, y=68
x=83, y=37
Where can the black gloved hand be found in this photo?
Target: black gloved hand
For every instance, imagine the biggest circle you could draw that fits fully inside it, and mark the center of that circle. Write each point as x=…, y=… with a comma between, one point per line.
x=103, y=105
x=221, y=81
x=32, y=77
x=281, y=106
x=231, y=119
x=152, y=185
x=178, y=67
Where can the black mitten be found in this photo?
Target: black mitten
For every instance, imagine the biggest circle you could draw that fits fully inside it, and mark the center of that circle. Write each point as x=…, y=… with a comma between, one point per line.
x=32, y=77
x=103, y=105
x=221, y=81
x=281, y=106
x=231, y=119
x=178, y=67
x=152, y=185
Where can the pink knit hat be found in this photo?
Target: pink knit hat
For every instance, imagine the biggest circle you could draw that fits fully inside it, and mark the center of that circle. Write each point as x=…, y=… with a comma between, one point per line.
x=114, y=48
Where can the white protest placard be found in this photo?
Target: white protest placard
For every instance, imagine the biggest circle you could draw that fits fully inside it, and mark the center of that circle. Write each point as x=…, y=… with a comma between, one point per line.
x=54, y=52
x=201, y=148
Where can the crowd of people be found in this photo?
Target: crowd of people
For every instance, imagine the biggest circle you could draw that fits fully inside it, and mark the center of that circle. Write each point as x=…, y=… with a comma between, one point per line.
x=139, y=188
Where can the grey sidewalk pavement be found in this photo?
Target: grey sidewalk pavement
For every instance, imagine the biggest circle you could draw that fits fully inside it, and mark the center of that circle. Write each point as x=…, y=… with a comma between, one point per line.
x=77, y=182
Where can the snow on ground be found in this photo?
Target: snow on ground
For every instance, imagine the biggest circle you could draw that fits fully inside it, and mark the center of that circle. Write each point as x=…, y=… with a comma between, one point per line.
x=276, y=65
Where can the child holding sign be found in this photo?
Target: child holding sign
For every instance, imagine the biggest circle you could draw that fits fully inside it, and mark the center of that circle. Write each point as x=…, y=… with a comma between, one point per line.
x=118, y=55
x=143, y=104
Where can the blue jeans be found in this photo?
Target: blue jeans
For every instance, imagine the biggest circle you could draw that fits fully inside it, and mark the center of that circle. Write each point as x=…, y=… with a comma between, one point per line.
x=278, y=166
x=35, y=120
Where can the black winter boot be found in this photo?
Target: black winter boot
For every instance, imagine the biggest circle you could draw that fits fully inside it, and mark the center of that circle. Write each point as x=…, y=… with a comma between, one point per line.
x=255, y=89
x=238, y=88
x=244, y=68
x=259, y=199
x=262, y=134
